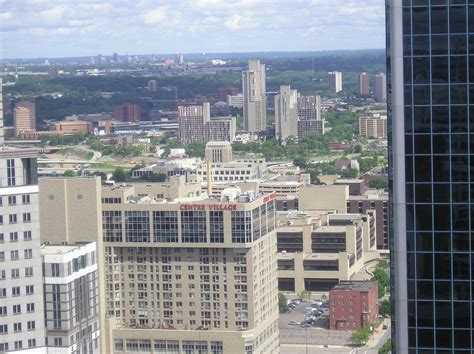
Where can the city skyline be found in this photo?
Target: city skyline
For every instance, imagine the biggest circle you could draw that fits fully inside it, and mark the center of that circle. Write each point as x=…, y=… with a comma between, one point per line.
x=37, y=29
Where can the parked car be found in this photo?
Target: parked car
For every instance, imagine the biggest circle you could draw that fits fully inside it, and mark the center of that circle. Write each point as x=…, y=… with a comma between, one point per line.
x=317, y=302
x=324, y=306
x=295, y=301
x=294, y=323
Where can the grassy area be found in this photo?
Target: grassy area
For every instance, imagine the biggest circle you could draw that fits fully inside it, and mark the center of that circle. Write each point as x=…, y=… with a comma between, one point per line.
x=86, y=155
x=103, y=166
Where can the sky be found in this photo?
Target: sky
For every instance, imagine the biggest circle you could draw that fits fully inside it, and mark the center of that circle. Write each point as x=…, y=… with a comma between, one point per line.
x=67, y=28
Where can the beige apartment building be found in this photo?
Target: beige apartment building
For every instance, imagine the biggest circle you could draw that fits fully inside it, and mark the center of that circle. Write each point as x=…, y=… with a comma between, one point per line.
x=24, y=116
x=286, y=113
x=254, y=97
x=373, y=127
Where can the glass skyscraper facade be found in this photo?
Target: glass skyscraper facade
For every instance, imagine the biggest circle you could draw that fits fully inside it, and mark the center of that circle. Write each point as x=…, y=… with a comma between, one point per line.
x=431, y=125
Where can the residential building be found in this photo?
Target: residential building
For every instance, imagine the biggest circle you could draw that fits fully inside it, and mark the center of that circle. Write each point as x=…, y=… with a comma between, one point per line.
x=2, y=130
x=179, y=59
x=221, y=129
x=430, y=119
x=380, y=91
x=255, y=97
x=21, y=288
x=127, y=113
x=218, y=152
x=226, y=91
x=71, y=127
x=373, y=126
x=192, y=122
x=353, y=305
x=318, y=249
x=306, y=127
x=152, y=85
x=191, y=274
x=236, y=101
x=286, y=113
x=363, y=84
x=71, y=298
x=309, y=108
x=24, y=116
x=335, y=81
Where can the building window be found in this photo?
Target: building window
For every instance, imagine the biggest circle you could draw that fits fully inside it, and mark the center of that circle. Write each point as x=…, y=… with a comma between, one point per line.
x=2, y=256
x=14, y=255
x=30, y=290
x=3, y=311
x=165, y=226
x=12, y=200
x=31, y=343
x=13, y=236
x=16, y=309
x=18, y=344
x=3, y=346
x=28, y=253
x=26, y=217
x=55, y=269
x=137, y=226
x=16, y=290
x=112, y=226
x=11, y=172
x=25, y=199
x=193, y=226
x=17, y=327
x=3, y=329
x=12, y=219
x=216, y=221
x=27, y=235
x=241, y=226
x=30, y=307
x=58, y=342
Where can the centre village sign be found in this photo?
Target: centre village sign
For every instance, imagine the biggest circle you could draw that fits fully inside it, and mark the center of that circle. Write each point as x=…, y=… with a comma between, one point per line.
x=219, y=207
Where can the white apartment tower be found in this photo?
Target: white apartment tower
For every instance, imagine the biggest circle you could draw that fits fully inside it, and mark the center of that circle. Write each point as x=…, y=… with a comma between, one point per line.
x=255, y=99
x=335, y=81
x=286, y=113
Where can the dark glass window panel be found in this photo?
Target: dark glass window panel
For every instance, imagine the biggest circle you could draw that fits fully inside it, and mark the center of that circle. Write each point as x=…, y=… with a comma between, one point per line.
x=458, y=94
x=460, y=193
x=459, y=142
x=460, y=216
x=471, y=43
x=424, y=265
x=461, y=291
x=442, y=290
x=408, y=144
x=424, y=241
x=458, y=69
x=408, y=95
x=425, y=314
x=411, y=335
x=442, y=193
x=409, y=168
x=421, y=70
x=442, y=242
x=442, y=265
x=411, y=291
x=407, y=46
x=443, y=314
x=457, y=19
x=406, y=21
x=440, y=94
x=423, y=168
x=410, y=241
x=461, y=266
x=458, y=44
x=441, y=144
x=424, y=290
x=461, y=241
x=439, y=70
x=423, y=144
x=423, y=217
x=441, y=217
x=411, y=267
x=462, y=339
x=422, y=119
x=420, y=2
x=471, y=95
x=439, y=19
x=440, y=119
x=420, y=20
x=462, y=313
x=423, y=193
x=407, y=73
x=470, y=18
x=425, y=338
x=471, y=122
x=421, y=45
x=443, y=338
x=460, y=168
x=439, y=45
x=409, y=193
x=408, y=120
x=441, y=168
x=471, y=72
x=421, y=95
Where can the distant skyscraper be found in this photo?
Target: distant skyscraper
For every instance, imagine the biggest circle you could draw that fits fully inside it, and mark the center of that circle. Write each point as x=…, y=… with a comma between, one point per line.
x=286, y=113
x=309, y=116
x=221, y=129
x=335, y=81
x=255, y=97
x=431, y=171
x=127, y=113
x=380, y=92
x=2, y=133
x=192, y=122
x=179, y=59
x=24, y=116
x=115, y=57
x=363, y=84
x=152, y=85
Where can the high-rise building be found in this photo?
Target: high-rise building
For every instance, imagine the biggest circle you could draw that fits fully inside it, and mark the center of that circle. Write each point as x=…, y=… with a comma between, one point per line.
x=335, y=81
x=22, y=324
x=255, y=97
x=430, y=154
x=192, y=122
x=286, y=113
x=219, y=152
x=127, y=113
x=380, y=91
x=373, y=126
x=2, y=132
x=179, y=59
x=363, y=84
x=193, y=274
x=24, y=116
x=71, y=298
x=309, y=116
x=152, y=85
x=221, y=129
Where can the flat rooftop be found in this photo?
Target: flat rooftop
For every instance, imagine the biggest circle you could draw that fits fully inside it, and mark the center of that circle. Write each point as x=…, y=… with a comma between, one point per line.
x=48, y=249
x=354, y=285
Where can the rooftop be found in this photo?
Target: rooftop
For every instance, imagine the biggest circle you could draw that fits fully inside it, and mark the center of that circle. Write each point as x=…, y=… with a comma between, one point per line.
x=48, y=249
x=354, y=285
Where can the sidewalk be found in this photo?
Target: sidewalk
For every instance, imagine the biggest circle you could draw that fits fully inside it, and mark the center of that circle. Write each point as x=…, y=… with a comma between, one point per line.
x=379, y=333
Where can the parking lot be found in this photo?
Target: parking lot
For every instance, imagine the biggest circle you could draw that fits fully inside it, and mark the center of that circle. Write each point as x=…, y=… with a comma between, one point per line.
x=317, y=334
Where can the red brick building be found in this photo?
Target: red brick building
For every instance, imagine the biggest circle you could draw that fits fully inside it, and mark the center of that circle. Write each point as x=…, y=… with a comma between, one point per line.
x=127, y=113
x=353, y=304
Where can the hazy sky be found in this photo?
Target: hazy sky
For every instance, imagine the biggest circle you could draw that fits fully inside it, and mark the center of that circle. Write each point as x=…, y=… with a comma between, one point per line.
x=60, y=28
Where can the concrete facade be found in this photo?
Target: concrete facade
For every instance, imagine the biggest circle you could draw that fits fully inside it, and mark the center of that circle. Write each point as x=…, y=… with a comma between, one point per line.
x=24, y=116
x=255, y=97
x=335, y=81
x=192, y=122
x=286, y=113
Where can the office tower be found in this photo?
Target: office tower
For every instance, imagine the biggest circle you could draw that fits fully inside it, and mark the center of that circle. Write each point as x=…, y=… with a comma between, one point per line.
x=335, y=81
x=24, y=115
x=152, y=85
x=179, y=59
x=192, y=121
x=218, y=152
x=255, y=97
x=286, y=113
x=21, y=288
x=373, y=126
x=380, y=91
x=2, y=133
x=193, y=274
x=363, y=84
x=71, y=297
x=127, y=113
x=309, y=116
x=221, y=129
x=431, y=175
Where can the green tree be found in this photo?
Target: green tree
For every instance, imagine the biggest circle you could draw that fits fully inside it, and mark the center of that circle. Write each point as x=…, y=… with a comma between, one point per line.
x=305, y=294
x=282, y=301
x=386, y=348
x=196, y=149
x=385, y=308
x=119, y=175
x=361, y=336
x=378, y=183
x=349, y=173
x=300, y=161
x=166, y=152
x=69, y=173
x=382, y=278
x=102, y=175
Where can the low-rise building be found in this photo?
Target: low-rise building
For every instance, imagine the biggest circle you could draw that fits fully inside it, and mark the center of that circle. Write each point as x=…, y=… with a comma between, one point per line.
x=373, y=127
x=353, y=305
x=71, y=127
